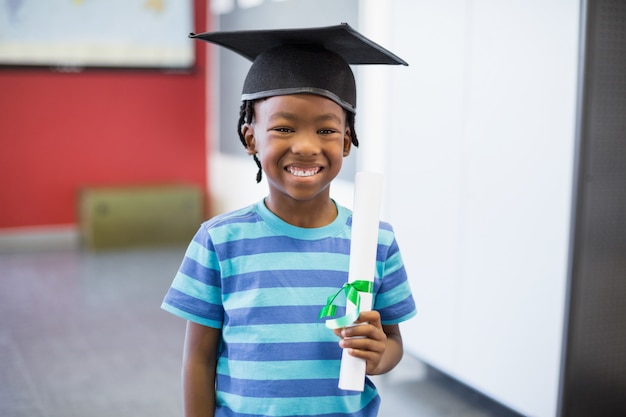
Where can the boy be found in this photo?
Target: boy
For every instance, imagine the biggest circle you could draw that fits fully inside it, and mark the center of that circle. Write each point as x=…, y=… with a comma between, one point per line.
x=253, y=281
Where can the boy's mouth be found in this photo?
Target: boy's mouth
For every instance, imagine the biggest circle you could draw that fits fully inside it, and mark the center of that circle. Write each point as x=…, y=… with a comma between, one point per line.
x=303, y=172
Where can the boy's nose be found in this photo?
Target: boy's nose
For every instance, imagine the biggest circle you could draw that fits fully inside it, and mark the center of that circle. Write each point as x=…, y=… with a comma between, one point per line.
x=306, y=144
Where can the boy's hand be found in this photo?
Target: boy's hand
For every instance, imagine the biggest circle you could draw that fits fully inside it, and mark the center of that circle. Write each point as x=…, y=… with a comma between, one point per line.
x=370, y=341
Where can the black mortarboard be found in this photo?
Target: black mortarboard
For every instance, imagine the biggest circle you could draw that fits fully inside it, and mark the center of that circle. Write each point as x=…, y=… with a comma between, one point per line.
x=297, y=61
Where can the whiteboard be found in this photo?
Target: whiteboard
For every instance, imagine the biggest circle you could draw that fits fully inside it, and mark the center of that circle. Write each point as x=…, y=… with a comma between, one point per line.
x=103, y=33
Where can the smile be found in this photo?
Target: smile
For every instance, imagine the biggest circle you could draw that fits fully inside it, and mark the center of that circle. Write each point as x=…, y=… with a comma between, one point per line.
x=303, y=172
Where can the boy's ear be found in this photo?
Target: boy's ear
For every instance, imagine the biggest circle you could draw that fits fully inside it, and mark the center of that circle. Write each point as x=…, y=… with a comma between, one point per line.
x=347, y=142
x=247, y=130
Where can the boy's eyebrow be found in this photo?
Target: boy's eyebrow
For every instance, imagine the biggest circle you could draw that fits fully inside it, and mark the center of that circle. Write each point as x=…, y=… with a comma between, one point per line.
x=293, y=116
x=329, y=116
x=282, y=115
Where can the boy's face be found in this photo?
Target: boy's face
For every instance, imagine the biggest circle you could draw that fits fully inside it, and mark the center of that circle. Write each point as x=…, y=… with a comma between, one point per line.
x=301, y=141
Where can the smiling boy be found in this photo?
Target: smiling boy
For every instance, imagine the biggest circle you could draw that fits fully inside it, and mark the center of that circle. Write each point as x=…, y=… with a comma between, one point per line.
x=253, y=280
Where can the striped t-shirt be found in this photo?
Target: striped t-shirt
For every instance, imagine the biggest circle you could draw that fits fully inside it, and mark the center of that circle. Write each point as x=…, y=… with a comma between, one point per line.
x=263, y=282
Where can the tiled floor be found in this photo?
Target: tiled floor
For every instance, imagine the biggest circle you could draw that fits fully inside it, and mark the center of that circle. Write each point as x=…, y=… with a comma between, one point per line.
x=82, y=335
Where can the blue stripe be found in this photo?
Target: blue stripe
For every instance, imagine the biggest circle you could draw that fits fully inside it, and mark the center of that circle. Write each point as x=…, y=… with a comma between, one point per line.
x=286, y=351
x=279, y=388
x=403, y=308
x=276, y=315
x=193, y=306
x=395, y=295
x=385, y=226
x=285, y=278
x=243, y=247
x=202, y=273
x=393, y=279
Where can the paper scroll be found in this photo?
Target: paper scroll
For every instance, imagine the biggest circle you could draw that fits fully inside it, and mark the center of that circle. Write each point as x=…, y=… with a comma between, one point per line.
x=363, y=244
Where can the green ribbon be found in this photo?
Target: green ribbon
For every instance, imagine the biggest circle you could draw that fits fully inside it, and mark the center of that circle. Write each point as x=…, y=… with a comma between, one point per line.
x=352, y=290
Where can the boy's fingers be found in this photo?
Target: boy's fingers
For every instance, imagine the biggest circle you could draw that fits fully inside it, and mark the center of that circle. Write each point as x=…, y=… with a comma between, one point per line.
x=365, y=332
x=369, y=350
x=372, y=317
x=368, y=325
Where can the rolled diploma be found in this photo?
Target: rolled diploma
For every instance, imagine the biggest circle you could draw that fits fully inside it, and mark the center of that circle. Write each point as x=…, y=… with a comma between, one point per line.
x=363, y=244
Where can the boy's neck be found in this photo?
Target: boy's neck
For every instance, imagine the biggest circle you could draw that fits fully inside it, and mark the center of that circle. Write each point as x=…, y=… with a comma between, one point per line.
x=307, y=214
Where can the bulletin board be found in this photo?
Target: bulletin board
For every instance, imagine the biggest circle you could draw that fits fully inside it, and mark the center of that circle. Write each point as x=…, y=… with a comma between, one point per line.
x=96, y=33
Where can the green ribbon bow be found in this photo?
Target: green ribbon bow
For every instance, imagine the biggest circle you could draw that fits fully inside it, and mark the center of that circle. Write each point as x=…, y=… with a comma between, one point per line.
x=352, y=295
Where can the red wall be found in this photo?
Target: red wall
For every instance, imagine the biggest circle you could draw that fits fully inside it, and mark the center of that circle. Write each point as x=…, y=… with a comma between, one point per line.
x=63, y=131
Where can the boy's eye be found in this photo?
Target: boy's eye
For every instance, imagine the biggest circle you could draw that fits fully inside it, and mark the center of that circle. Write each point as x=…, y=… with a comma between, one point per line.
x=282, y=129
x=326, y=131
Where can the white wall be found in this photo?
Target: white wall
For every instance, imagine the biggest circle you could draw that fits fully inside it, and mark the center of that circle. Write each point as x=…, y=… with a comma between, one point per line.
x=479, y=156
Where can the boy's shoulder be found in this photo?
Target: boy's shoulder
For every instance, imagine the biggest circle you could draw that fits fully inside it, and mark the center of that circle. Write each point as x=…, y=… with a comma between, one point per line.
x=243, y=215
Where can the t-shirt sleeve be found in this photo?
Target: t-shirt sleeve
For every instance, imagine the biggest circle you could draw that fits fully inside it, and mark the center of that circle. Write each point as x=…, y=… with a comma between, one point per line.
x=195, y=293
x=394, y=300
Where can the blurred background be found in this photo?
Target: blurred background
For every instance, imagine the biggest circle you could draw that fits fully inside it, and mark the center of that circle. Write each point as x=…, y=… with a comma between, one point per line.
x=504, y=153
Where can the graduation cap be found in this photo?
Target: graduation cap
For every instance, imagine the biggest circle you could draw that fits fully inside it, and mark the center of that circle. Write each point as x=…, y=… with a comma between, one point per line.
x=299, y=61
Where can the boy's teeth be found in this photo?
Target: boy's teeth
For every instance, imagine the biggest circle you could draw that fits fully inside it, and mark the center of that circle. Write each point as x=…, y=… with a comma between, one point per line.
x=303, y=172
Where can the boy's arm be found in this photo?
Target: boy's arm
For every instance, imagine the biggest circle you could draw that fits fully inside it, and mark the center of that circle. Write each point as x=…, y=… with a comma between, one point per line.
x=199, y=365
x=380, y=345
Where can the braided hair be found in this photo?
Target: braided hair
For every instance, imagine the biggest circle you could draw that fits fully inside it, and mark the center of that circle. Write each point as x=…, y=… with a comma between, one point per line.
x=246, y=115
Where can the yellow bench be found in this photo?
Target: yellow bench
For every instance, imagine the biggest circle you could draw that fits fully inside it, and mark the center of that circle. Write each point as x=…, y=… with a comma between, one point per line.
x=142, y=216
